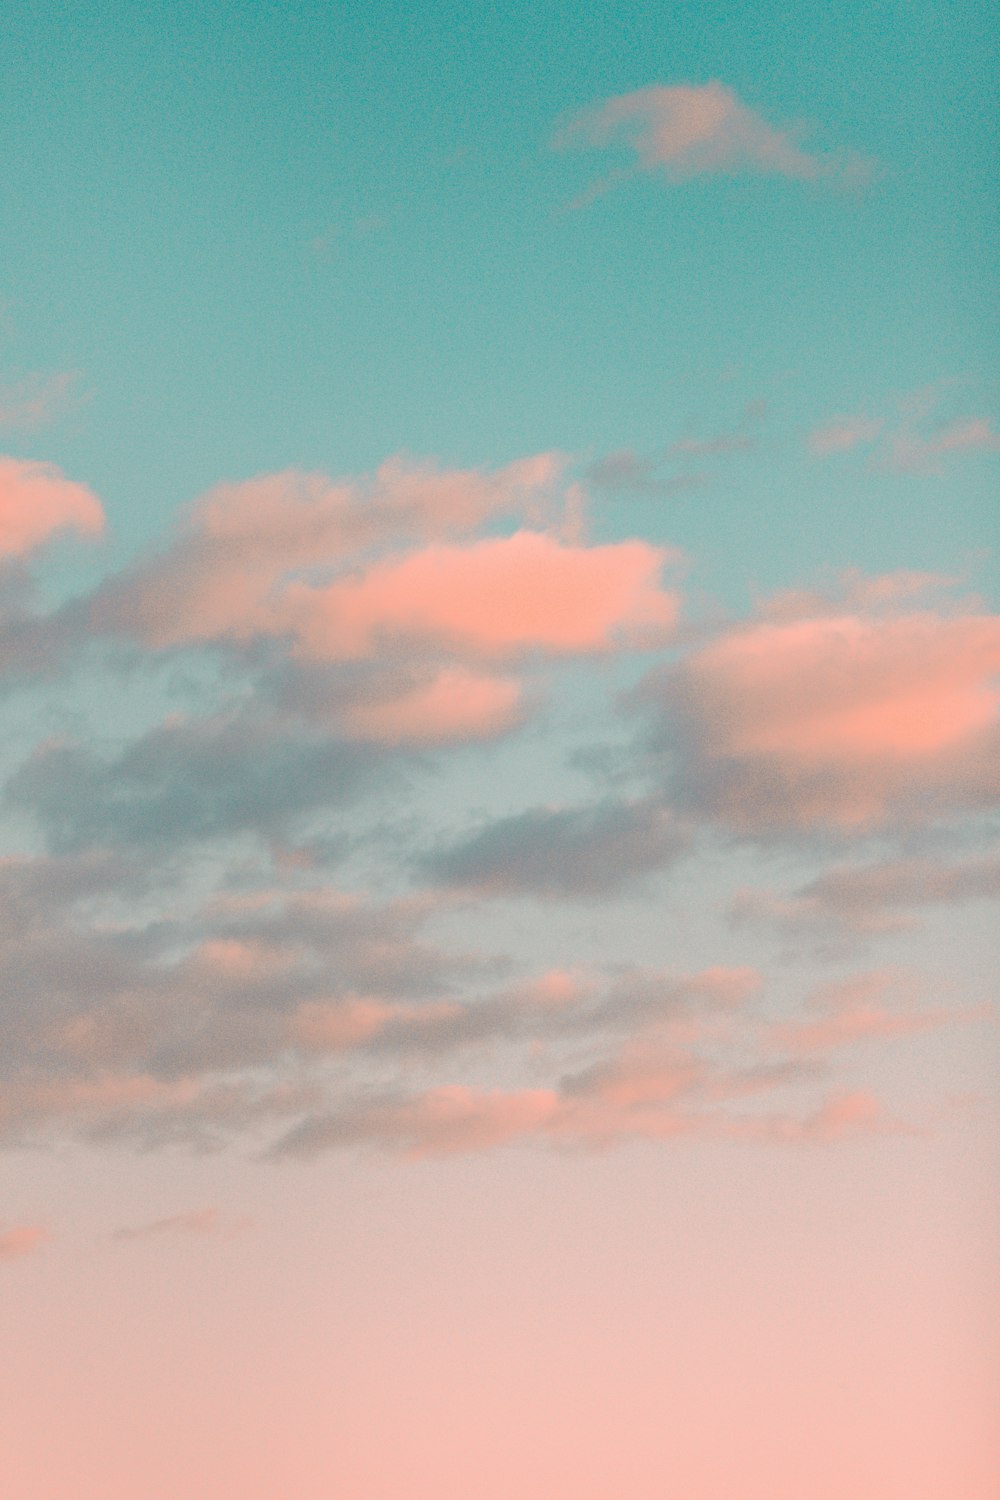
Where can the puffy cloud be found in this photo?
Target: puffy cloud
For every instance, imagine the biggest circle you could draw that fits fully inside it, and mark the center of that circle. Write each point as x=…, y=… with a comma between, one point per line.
x=223, y=576
x=838, y=721
x=21, y=1240
x=379, y=606
x=689, y=130
x=495, y=599
x=564, y=852
x=37, y=502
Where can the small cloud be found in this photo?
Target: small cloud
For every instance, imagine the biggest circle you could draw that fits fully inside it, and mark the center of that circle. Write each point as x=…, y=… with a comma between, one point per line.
x=842, y=434
x=627, y=470
x=909, y=452
x=686, y=130
x=21, y=1240
x=907, y=442
x=37, y=399
x=196, y=1221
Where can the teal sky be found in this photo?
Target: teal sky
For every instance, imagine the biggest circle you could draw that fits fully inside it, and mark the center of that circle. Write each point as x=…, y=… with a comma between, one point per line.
x=271, y=239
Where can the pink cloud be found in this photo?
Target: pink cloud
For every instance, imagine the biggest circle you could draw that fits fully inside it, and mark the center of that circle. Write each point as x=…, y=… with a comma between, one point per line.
x=386, y=607
x=21, y=1240
x=223, y=575
x=688, y=130
x=868, y=1008
x=495, y=599
x=843, y=720
x=36, y=502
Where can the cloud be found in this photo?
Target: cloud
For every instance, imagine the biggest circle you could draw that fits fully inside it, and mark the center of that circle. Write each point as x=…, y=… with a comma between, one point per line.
x=222, y=578
x=453, y=703
x=873, y=1007
x=196, y=1221
x=640, y=473
x=379, y=607
x=910, y=440
x=874, y=898
x=640, y=1095
x=564, y=852
x=684, y=131
x=37, y=503
x=21, y=1240
x=842, y=434
x=909, y=452
x=36, y=400
x=295, y=1021
x=498, y=599
x=191, y=779
x=838, y=721
x=153, y=1027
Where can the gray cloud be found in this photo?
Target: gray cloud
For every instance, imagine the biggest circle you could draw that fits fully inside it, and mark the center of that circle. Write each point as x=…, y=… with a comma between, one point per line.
x=874, y=898
x=640, y=473
x=564, y=852
x=189, y=780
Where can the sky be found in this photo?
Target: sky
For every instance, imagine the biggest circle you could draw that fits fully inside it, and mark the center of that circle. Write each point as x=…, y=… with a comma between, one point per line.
x=500, y=681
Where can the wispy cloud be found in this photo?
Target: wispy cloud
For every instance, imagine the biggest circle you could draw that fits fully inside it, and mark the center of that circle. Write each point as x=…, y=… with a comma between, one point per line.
x=23, y=1239
x=197, y=1221
x=910, y=440
x=37, y=400
x=871, y=899
x=681, y=131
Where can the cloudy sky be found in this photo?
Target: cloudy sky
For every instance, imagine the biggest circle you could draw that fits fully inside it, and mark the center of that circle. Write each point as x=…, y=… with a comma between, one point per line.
x=501, y=696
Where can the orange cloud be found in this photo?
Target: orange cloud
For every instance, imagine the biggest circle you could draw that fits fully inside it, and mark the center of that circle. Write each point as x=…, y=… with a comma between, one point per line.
x=36, y=502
